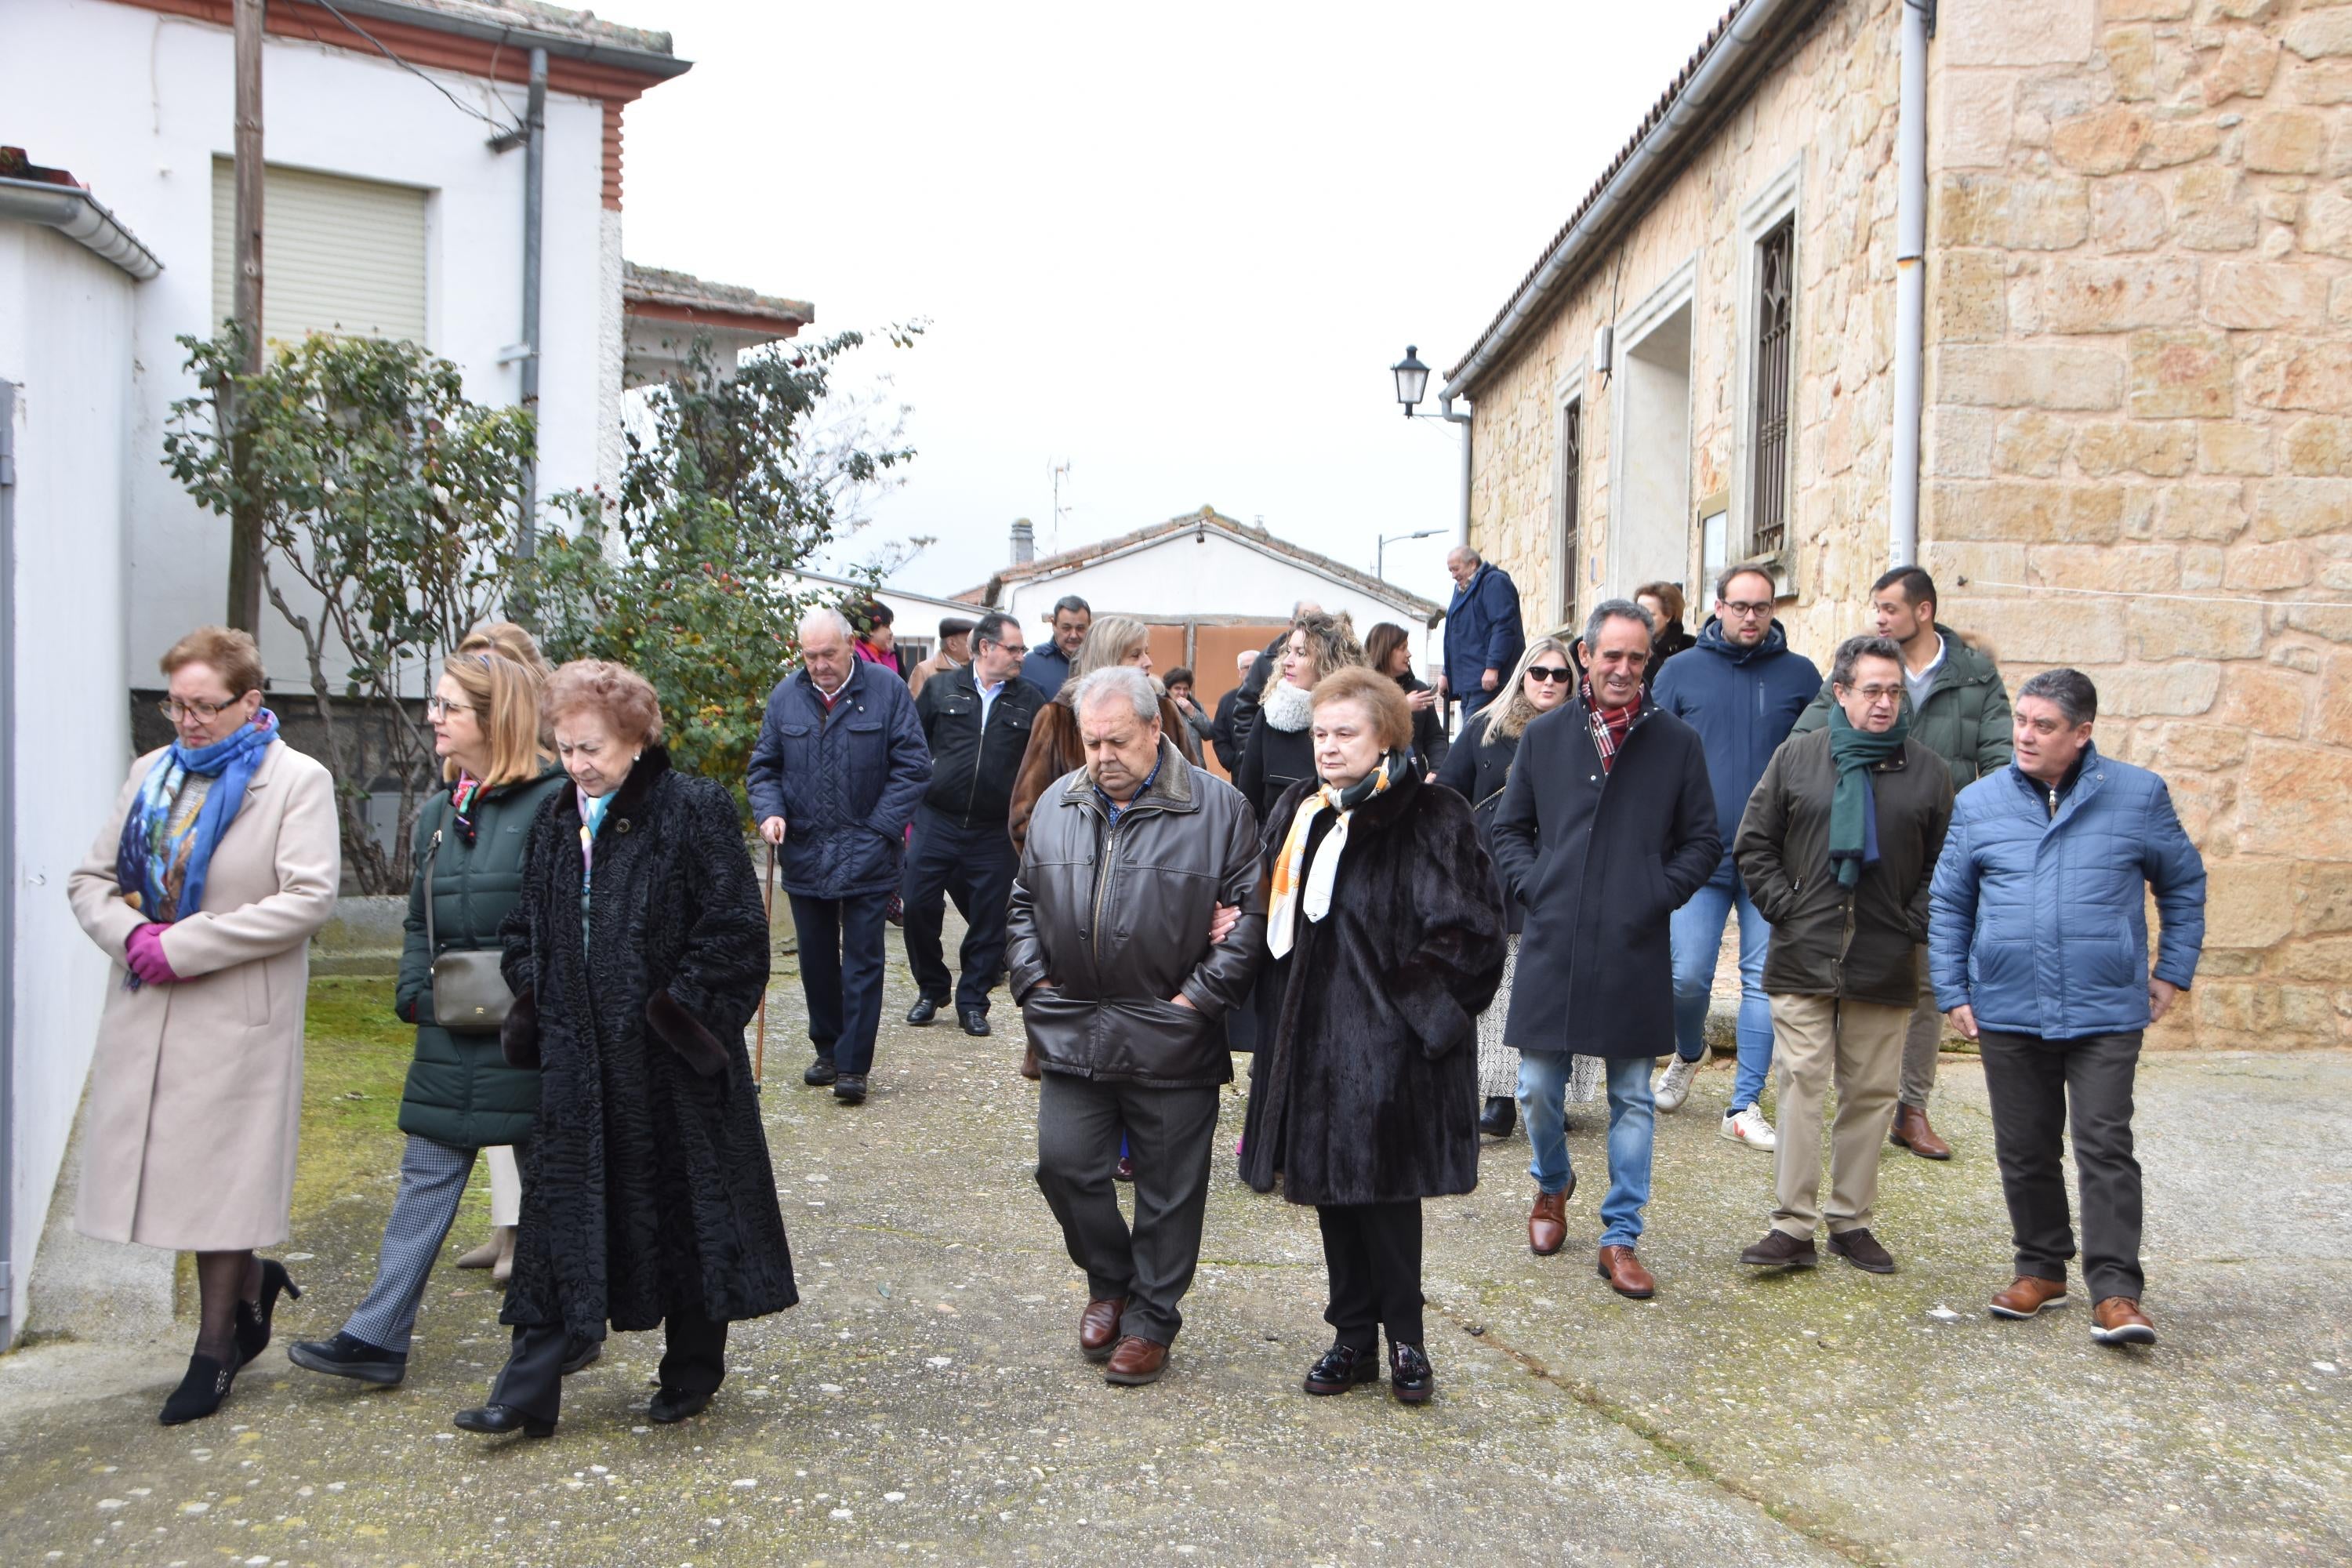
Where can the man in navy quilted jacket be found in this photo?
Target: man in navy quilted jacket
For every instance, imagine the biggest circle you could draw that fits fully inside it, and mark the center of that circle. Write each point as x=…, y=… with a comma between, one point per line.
x=2038, y=947
x=834, y=780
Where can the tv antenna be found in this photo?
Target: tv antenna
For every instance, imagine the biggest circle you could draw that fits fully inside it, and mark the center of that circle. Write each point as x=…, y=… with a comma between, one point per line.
x=1060, y=473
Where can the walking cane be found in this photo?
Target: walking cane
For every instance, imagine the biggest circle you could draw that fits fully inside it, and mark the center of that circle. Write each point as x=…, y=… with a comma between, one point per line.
x=768, y=915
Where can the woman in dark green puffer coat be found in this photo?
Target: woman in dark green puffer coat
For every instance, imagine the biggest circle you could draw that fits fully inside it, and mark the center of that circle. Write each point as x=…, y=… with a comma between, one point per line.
x=461, y=1097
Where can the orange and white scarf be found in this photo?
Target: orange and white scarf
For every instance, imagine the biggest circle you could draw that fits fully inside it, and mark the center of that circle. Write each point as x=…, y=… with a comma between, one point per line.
x=1298, y=884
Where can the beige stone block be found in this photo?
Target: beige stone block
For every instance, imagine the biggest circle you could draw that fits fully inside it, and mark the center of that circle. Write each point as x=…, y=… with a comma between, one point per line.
x=2058, y=629
x=2332, y=714
x=2327, y=960
x=2108, y=568
x=2104, y=142
x=2210, y=211
x=2157, y=690
x=2013, y=213
x=2202, y=565
x=2057, y=377
x=2318, y=35
x=2264, y=568
x=2319, y=445
x=2030, y=442
x=2324, y=83
x=1956, y=564
x=2301, y=509
x=1958, y=441
x=2174, y=629
x=2163, y=451
x=2003, y=33
x=2316, y=375
x=2247, y=62
x=1971, y=117
x=2286, y=142
x=1967, y=290
x=2327, y=225
x=2238, y=10
x=2181, y=374
x=2172, y=143
x=2263, y=296
x=2264, y=699
x=2323, y=897
x=2128, y=214
x=2205, y=747
x=2115, y=296
x=2333, y=622
x=2102, y=447
x=2112, y=11
x=2212, y=514
x=2137, y=66
x=2233, y=447
x=2291, y=798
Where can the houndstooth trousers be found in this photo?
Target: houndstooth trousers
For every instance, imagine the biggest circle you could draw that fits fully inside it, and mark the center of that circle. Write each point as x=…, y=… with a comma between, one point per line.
x=433, y=1178
x=1499, y=1064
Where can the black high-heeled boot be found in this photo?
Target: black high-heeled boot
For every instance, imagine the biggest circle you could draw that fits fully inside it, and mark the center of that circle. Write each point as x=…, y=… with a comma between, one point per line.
x=200, y=1392
x=1494, y=1119
x=253, y=1317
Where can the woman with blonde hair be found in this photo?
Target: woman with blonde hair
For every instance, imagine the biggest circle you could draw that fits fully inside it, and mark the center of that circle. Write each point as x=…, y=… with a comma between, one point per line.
x=1055, y=749
x=219, y=860
x=1280, y=752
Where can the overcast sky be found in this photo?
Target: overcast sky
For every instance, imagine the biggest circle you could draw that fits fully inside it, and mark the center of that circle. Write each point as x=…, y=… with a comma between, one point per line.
x=1178, y=249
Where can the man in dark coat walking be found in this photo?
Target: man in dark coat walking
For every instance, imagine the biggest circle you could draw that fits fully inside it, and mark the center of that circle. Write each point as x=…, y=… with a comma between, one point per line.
x=1606, y=826
x=976, y=721
x=1124, y=989
x=1959, y=709
x=1220, y=732
x=1837, y=845
x=1047, y=668
x=834, y=780
x=1740, y=688
x=1484, y=637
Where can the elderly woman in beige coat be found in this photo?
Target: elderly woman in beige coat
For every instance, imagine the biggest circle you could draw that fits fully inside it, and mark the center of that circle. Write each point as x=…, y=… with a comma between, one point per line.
x=218, y=863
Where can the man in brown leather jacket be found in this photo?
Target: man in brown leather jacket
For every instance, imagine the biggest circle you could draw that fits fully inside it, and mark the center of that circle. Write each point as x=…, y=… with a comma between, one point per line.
x=1124, y=988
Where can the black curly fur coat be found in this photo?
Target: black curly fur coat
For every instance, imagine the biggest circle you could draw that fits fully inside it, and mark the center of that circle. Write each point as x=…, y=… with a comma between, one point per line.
x=646, y=1187
x=1366, y=1090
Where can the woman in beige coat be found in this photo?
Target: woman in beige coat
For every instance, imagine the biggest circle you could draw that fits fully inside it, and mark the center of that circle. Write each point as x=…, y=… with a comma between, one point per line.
x=218, y=863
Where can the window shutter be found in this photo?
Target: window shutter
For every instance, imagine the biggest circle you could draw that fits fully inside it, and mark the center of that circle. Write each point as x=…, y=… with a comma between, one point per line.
x=338, y=255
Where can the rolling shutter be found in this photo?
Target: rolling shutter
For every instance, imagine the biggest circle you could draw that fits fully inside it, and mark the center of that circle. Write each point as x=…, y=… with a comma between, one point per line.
x=338, y=255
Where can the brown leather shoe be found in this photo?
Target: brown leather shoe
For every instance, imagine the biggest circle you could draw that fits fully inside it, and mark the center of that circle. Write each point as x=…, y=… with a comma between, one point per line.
x=1625, y=1274
x=1137, y=1361
x=1099, y=1327
x=2117, y=1321
x=1547, y=1224
x=2027, y=1295
x=1911, y=1131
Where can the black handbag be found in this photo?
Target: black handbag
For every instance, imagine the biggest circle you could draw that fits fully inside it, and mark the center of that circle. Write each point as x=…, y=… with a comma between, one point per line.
x=471, y=995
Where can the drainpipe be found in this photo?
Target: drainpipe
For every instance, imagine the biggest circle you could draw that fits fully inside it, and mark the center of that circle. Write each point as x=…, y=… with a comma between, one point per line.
x=1910, y=281
x=1445, y=412
x=534, y=195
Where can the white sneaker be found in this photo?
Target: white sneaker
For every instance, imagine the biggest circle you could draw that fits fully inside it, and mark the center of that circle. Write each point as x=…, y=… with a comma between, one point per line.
x=1672, y=1087
x=1747, y=1126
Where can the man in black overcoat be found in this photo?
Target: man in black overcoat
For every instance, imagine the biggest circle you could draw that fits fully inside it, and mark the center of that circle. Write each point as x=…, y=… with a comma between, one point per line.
x=1607, y=826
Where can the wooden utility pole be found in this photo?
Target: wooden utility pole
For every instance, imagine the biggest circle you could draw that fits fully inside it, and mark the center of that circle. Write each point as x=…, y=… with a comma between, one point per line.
x=245, y=517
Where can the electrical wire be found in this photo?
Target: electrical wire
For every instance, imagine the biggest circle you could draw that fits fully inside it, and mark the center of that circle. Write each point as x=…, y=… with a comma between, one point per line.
x=501, y=127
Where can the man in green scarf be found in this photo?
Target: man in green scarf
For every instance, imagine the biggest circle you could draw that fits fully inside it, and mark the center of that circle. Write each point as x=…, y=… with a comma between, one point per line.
x=1837, y=848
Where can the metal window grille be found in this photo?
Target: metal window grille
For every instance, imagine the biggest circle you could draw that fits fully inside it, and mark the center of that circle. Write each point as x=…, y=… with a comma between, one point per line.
x=1572, y=497
x=1775, y=313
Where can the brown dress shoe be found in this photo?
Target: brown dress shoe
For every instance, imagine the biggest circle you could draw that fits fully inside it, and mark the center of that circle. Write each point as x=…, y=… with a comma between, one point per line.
x=1548, y=1222
x=2028, y=1294
x=1099, y=1327
x=2117, y=1321
x=1911, y=1131
x=1137, y=1361
x=1625, y=1274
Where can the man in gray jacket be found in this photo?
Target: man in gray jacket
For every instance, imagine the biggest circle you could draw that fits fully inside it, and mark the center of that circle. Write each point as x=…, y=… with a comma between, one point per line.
x=1124, y=986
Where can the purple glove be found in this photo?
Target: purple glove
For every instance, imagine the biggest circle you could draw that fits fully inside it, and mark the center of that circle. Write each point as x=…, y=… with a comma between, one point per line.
x=144, y=952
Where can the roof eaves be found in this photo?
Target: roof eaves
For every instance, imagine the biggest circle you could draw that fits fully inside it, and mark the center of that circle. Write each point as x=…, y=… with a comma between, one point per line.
x=80, y=217
x=574, y=34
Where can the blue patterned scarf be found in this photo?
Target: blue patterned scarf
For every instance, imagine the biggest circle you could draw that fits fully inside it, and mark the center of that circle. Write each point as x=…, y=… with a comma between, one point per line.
x=161, y=864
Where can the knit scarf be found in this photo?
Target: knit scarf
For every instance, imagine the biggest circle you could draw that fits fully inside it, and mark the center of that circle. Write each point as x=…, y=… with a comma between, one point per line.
x=162, y=860
x=1312, y=891
x=1609, y=724
x=1287, y=708
x=1853, y=807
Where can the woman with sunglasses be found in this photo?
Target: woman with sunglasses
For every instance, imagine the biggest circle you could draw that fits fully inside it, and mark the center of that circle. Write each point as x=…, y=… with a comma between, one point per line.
x=1476, y=768
x=218, y=862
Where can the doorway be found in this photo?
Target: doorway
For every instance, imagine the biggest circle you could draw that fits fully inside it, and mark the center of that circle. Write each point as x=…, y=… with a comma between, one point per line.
x=1649, y=534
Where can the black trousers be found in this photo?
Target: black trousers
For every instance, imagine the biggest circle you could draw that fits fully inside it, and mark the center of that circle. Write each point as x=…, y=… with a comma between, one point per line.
x=1169, y=1130
x=694, y=1361
x=1373, y=1254
x=2038, y=1087
x=974, y=866
x=841, y=974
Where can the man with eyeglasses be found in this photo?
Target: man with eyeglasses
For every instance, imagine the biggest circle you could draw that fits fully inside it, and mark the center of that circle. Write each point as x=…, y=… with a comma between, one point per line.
x=1741, y=686
x=1961, y=710
x=1838, y=846
x=976, y=721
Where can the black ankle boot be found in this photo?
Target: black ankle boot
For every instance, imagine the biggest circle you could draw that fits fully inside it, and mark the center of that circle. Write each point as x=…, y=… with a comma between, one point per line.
x=253, y=1317
x=200, y=1392
x=1499, y=1117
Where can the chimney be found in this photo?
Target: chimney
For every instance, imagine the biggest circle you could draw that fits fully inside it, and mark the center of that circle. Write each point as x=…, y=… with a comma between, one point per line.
x=1024, y=542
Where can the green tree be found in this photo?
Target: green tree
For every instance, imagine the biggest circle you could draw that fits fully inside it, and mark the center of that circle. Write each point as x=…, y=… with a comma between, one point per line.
x=389, y=506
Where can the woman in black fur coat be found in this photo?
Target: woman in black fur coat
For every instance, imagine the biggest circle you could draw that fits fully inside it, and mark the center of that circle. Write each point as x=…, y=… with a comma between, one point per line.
x=636, y=953
x=1385, y=929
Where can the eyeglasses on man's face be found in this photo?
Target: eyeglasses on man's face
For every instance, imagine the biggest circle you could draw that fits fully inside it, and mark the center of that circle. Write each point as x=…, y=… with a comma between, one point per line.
x=1744, y=609
x=1876, y=693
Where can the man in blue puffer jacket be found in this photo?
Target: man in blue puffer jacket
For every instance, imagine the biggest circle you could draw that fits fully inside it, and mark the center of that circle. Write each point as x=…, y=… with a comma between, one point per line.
x=834, y=780
x=1741, y=686
x=2038, y=947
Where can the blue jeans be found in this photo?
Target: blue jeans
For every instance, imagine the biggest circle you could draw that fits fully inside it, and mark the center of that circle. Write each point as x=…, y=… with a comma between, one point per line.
x=1543, y=1104
x=1697, y=929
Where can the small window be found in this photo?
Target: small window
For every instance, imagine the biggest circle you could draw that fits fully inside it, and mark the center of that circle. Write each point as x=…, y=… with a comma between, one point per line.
x=1571, y=502
x=1767, y=511
x=338, y=255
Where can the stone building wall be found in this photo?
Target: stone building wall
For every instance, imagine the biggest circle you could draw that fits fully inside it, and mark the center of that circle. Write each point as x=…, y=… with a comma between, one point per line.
x=2140, y=432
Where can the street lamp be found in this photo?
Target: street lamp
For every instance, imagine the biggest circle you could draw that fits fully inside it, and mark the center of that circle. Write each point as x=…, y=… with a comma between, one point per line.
x=1412, y=378
x=1380, y=552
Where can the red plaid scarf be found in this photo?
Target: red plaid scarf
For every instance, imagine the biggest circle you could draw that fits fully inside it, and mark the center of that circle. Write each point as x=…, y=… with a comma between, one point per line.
x=1609, y=724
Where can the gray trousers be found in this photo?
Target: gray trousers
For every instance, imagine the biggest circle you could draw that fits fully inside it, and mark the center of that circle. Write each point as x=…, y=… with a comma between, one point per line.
x=1169, y=1131
x=431, y=1184
x=2040, y=1091
x=1922, y=1043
